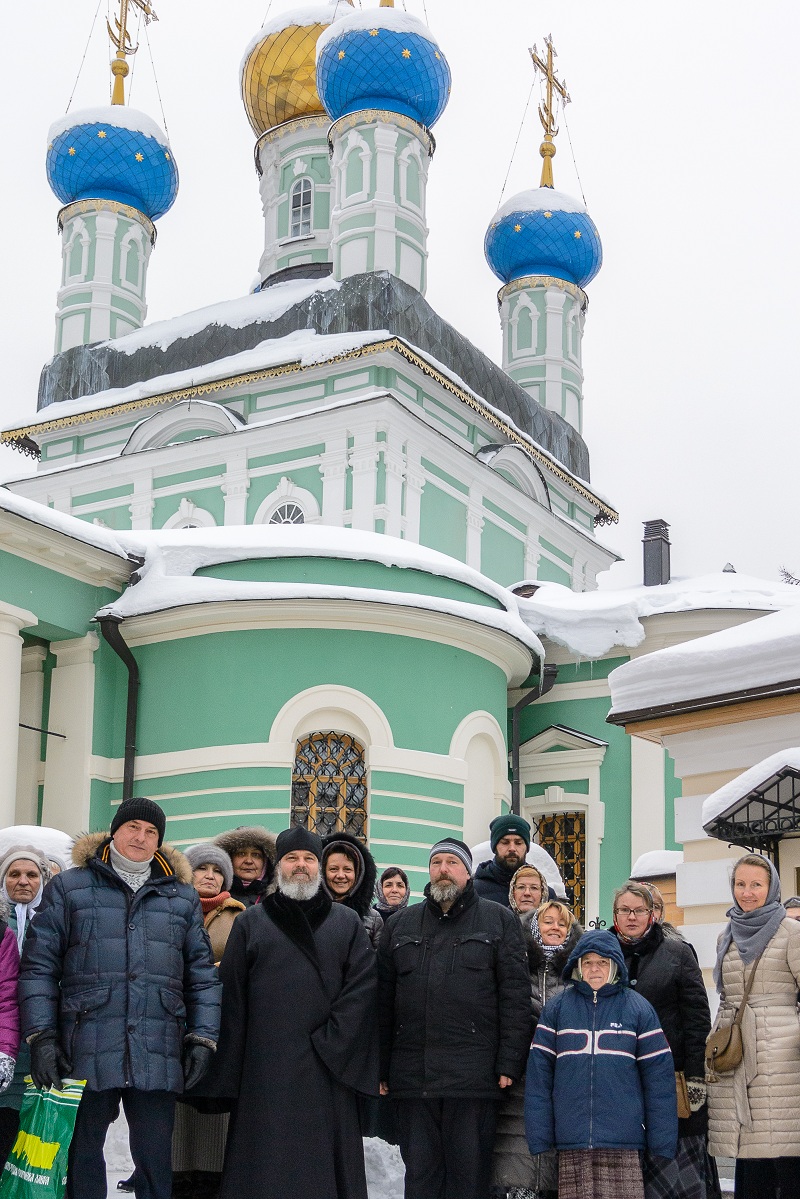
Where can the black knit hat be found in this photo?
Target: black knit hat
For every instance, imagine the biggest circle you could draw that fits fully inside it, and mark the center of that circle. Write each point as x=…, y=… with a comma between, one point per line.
x=140, y=809
x=295, y=838
x=502, y=826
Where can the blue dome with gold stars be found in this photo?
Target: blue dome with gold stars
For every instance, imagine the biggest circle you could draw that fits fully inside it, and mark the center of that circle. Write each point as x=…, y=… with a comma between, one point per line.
x=382, y=58
x=544, y=232
x=112, y=153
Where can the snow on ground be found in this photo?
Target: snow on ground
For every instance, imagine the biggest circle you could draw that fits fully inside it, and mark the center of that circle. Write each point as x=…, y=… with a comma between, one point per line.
x=733, y=792
x=590, y=623
x=756, y=654
x=657, y=863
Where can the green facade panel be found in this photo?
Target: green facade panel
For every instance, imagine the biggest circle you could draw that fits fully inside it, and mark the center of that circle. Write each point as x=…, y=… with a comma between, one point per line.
x=443, y=523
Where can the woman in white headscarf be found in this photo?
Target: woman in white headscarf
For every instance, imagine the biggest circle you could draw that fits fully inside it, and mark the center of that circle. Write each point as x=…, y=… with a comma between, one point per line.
x=753, y=1110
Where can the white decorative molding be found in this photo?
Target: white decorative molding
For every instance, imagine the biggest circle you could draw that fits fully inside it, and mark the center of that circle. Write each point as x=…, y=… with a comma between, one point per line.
x=480, y=743
x=288, y=492
x=160, y=429
x=189, y=516
x=331, y=707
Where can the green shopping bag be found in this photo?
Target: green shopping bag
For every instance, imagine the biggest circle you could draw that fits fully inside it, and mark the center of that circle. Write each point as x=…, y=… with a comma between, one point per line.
x=37, y=1163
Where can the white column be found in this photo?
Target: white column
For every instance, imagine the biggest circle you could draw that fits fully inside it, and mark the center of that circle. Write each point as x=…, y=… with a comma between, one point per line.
x=394, y=462
x=554, y=347
x=364, y=461
x=532, y=555
x=142, y=502
x=333, y=468
x=30, y=712
x=475, y=523
x=67, y=775
x=12, y=619
x=235, y=489
x=647, y=797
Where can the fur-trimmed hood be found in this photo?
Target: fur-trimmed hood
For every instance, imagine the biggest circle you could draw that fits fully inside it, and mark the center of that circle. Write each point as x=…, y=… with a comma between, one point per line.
x=236, y=840
x=361, y=897
x=88, y=846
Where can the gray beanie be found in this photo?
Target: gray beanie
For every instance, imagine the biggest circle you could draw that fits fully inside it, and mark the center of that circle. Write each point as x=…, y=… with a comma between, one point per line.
x=30, y=854
x=208, y=854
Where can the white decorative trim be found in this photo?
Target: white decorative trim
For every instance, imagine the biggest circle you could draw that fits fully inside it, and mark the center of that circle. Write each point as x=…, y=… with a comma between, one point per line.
x=61, y=553
x=157, y=431
x=487, y=786
x=288, y=492
x=189, y=515
x=332, y=707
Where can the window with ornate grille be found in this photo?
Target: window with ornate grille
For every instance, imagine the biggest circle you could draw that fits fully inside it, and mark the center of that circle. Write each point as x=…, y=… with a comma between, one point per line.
x=329, y=785
x=287, y=514
x=302, y=198
x=563, y=835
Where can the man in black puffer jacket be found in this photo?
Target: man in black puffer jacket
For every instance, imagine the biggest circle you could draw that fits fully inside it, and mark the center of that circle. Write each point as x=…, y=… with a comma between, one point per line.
x=455, y=1016
x=510, y=839
x=118, y=986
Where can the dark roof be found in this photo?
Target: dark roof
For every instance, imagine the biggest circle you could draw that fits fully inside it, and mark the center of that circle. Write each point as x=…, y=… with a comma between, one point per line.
x=764, y=816
x=363, y=302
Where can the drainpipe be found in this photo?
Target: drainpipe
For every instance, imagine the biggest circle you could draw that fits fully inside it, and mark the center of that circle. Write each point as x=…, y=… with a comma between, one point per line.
x=110, y=628
x=546, y=680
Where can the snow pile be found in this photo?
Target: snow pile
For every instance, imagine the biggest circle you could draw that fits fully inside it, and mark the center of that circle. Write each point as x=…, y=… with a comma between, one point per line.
x=385, y=1170
x=537, y=857
x=305, y=347
x=539, y=199
x=118, y=115
x=268, y=305
x=48, y=840
x=727, y=797
x=656, y=863
x=757, y=654
x=591, y=623
x=376, y=18
x=61, y=522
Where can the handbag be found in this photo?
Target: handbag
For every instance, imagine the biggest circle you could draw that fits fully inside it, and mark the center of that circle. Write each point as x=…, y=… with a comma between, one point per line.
x=724, y=1048
x=37, y=1162
x=684, y=1107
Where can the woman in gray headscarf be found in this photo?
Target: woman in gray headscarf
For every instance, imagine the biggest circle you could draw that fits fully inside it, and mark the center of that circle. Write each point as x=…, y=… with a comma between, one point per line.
x=753, y=1110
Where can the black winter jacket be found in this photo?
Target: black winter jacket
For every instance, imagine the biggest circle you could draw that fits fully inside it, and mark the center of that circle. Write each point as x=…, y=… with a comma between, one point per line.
x=492, y=881
x=122, y=976
x=455, y=1001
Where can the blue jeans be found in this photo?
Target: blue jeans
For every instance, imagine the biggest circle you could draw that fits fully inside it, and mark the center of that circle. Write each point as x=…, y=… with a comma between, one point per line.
x=150, y=1116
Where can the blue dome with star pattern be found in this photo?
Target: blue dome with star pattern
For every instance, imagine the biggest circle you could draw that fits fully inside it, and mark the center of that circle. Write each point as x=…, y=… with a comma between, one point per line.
x=112, y=153
x=382, y=58
x=544, y=232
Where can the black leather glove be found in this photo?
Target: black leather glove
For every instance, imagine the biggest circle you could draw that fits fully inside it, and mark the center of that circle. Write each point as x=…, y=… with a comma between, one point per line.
x=49, y=1064
x=196, y=1060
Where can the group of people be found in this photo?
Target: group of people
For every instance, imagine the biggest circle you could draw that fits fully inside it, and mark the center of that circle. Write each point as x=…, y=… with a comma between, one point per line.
x=292, y=1001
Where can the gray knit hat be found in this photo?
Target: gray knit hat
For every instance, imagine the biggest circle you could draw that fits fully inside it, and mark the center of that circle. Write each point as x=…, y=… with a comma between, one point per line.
x=208, y=854
x=27, y=853
x=451, y=845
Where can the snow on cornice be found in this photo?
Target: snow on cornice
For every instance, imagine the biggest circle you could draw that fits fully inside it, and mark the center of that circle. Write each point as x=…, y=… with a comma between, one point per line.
x=61, y=522
x=657, y=862
x=590, y=623
x=732, y=793
x=755, y=655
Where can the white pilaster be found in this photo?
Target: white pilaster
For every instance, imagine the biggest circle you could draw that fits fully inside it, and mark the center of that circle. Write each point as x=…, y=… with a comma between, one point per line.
x=142, y=503
x=12, y=619
x=394, y=461
x=475, y=524
x=648, y=800
x=235, y=489
x=29, y=750
x=68, y=768
x=333, y=468
x=364, y=463
x=415, y=482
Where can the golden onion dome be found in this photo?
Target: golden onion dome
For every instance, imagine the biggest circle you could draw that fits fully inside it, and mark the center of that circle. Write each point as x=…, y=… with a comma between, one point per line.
x=278, y=71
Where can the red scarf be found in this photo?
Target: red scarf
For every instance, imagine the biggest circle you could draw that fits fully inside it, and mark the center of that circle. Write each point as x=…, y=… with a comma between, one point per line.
x=208, y=905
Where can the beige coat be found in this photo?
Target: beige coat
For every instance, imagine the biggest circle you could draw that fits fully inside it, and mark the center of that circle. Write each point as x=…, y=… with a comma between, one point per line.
x=755, y=1111
x=219, y=923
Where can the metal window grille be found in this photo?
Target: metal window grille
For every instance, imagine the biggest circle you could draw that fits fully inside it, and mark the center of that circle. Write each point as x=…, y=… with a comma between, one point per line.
x=563, y=835
x=302, y=196
x=329, y=785
x=287, y=514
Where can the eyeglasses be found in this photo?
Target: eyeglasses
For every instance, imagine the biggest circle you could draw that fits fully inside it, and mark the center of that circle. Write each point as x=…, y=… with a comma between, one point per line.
x=633, y=911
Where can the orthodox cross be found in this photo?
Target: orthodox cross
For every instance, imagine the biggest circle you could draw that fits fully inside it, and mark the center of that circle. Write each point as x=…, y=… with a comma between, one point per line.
x=121, y=39
x=546, y=110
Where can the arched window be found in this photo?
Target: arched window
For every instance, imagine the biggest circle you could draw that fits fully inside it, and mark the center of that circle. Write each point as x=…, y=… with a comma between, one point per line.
x=563, y=835
x=288, y=513
x=302, y=201
x=329, y=785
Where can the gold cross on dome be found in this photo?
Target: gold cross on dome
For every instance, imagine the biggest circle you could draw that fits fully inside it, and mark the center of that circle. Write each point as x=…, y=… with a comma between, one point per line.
x=547, y=113
x=120, y=37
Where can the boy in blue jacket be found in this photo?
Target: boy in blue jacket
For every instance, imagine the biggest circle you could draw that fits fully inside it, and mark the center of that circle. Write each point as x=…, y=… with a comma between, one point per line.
x=601, y=1083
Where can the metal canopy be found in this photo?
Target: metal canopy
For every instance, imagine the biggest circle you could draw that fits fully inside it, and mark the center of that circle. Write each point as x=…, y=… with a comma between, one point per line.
x=762, y=818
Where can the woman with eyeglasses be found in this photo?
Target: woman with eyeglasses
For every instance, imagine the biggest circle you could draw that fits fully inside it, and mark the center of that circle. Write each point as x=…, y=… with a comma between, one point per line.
x=664, y=970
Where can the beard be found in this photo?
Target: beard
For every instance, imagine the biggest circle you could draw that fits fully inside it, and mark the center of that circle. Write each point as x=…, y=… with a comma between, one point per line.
x=512, y=861
x=299, y=886
x=445, y=891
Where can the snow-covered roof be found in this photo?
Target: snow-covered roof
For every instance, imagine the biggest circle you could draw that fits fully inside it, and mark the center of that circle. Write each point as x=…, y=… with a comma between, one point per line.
x=539, y=199
x=61, y=522
x=591, y=623
x=757, y=654
x=372, y=18
x=656, y=863
x=536, y=855
x=167, y=578
x=110, y=114
x=728, y=797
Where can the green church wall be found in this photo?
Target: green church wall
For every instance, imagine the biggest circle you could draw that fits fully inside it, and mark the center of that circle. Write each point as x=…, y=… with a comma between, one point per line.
x=548, y=572
x=261, y=486
x=64, y=606
x=118, y=517
x=443, y=523
x=673, y=789
x=209, y=498
x=502, y=555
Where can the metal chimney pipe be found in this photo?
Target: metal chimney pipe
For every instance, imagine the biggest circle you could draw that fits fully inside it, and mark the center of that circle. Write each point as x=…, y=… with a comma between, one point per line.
x=656, y=546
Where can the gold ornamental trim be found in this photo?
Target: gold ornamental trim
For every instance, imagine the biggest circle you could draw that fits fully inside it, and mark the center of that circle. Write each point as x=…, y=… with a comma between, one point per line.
x=382, y=116
x=526, y=281
x=77, y=207
x=606, y=514
x=318, y=120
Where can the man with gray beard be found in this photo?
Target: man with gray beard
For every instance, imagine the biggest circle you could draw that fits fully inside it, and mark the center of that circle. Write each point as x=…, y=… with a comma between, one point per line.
x=298, y=1039
x=455, y=1018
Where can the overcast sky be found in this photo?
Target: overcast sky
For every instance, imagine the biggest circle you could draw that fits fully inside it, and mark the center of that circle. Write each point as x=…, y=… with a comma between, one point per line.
x=684, y=128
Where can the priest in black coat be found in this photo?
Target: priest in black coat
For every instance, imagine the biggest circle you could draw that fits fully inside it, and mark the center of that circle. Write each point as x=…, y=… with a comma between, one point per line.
x=299, y=1038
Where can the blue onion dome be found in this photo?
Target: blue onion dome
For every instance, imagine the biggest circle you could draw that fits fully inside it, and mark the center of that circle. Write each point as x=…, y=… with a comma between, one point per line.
x=112, y=153
x=544, y=232
x=382, y=58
